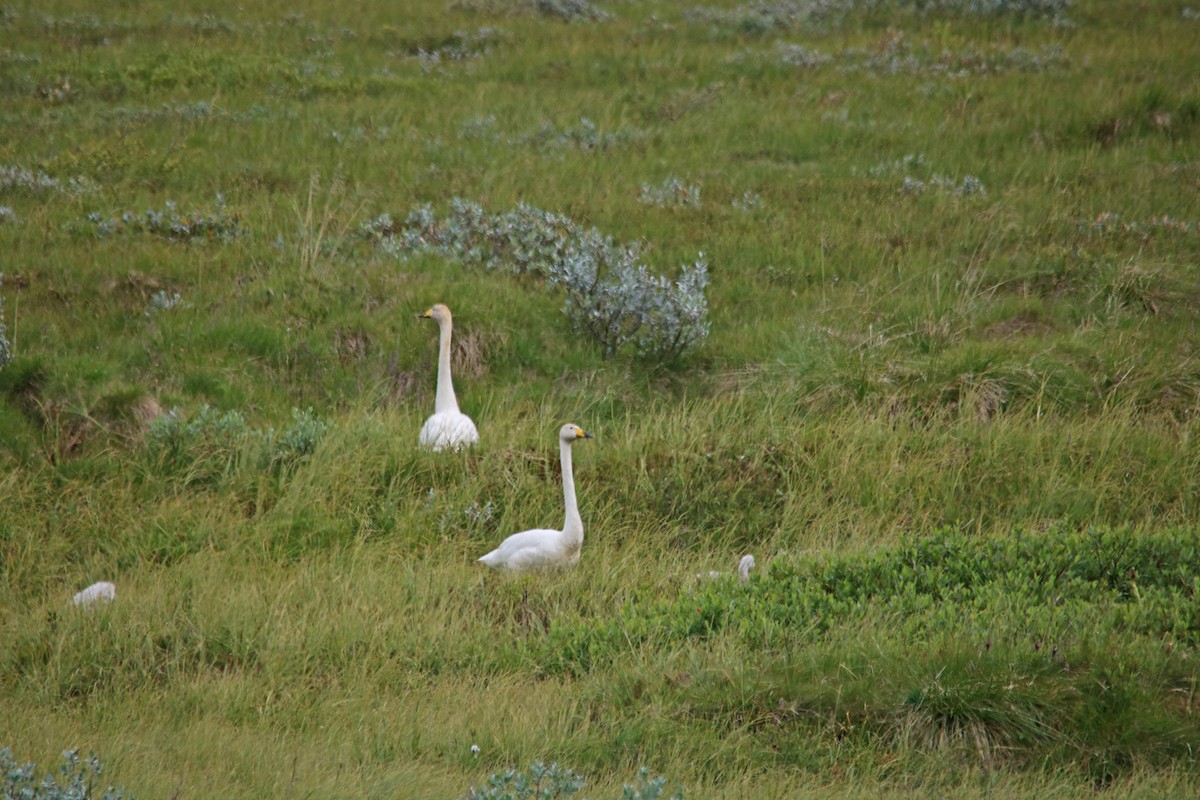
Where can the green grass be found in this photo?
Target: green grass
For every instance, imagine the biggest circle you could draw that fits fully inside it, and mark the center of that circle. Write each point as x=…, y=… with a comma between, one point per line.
x=957, y=428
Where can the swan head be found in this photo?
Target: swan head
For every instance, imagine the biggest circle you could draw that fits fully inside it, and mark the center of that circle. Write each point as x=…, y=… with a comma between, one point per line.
x=440, y=313
x=570, y=432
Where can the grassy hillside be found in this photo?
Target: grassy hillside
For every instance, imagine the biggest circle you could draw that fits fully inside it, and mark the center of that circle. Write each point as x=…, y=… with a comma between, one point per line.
x=948, y=395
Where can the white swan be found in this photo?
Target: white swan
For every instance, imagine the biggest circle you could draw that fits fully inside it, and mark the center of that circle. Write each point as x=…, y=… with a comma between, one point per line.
x=101, y=590
x=542, y=547
x=743, y=570
x=448, y=427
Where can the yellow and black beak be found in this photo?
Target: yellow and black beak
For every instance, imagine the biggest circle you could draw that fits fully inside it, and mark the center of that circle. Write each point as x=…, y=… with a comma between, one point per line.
x=426, y=314
x=580, y=433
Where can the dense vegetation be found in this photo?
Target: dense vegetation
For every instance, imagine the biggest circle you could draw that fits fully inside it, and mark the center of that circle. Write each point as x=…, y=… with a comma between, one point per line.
x=898, y=295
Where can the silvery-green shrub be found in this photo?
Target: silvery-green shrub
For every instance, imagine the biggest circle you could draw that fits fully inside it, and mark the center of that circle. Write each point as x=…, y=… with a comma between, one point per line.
x=75, y=779
x=169, y=223
x=610, y=294
x=299, y=440
x=212, y=444
x=571, y=10
x=542, y=782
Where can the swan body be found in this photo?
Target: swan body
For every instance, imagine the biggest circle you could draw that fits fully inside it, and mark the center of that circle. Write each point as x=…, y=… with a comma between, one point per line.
x=102, y=590
x=542, y=547
x=447, y=428
x=743, y=570
x=451, y=430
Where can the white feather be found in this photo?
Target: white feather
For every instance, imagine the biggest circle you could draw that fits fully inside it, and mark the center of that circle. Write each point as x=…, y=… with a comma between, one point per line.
x=448, y=430
x=744, y=567
x=102, y=590
x=743, y=570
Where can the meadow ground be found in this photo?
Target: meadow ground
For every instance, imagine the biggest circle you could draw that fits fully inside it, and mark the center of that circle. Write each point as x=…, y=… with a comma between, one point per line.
x=925, y=342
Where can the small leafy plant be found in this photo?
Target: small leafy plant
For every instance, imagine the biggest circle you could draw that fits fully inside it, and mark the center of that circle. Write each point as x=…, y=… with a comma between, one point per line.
x=672, y=192
x=213, y=444
x=584, y=136
x=969, y=185
x=542, y=782
x=571, y=10
x=203, y=447
x=299, y=440
x=169, y=223
x=15, y=179
x=75, y=779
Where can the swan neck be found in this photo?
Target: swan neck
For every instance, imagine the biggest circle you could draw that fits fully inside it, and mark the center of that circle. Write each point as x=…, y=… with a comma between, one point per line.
x=573, y=524
x=445, y=400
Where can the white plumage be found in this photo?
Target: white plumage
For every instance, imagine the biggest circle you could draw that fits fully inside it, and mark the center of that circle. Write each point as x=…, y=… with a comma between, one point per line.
x=451, y=430
x=744, y=567
x=543, y=547
x=102, y=590
x=448, y=428
x=743, y=570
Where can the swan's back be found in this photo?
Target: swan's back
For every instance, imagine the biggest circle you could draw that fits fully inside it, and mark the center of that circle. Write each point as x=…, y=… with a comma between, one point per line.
x=102, y=590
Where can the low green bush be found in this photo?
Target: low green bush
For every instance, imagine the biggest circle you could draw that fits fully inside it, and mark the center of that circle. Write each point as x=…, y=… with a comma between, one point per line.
x=212, y=444
x=1125, y=582
x=1055, y=647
